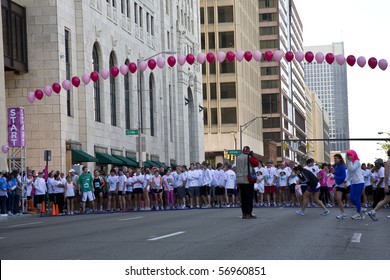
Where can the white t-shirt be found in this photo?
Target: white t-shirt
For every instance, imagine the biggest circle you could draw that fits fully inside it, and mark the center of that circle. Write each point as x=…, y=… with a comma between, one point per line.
x=179, y=179
x=112, y=180
x=219, y=176
x=381, y=174
x=40, y=186
x=282, y=176
x=269, y=174
x=193, y=178
x=206, y=180
x=121, y=181
x=367, y=177
x=139, y=184
x=50, y=185
x=260, y=177
x=69, y=189
x=230, y=179
x=56, y=188
x=129, y=186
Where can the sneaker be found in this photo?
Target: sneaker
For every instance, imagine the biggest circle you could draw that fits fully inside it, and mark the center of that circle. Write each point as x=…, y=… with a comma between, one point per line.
x=373, y=216
x=358, y=217
x=341, y=216
x=347, y=205
x=388, y=217
x=364, y=210
x=326, y=212
x=300, y=212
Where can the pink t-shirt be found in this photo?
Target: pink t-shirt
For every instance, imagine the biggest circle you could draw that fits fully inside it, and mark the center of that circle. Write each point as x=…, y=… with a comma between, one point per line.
x=324, y=178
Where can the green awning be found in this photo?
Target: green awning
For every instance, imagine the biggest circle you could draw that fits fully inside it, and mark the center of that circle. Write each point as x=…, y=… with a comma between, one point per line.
x=134, y=160
x=127, y=161
x=161, y=164
x=157, y=163
x=147, y=164
x=104, y=158
x=152, y=163
x=81, y=156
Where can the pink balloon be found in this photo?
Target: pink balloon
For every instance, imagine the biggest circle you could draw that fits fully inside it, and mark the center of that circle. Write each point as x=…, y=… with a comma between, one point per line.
x=329, y=57
x=171, y=61
x=123, y=69
x=239, y=55
x=161, y=62
x=47, y=90
x=201, y=58
x=340, y=59
x=38, y=94
x=181, y=59
x=94, y=76
x=248, y=56
x=4, y=149
x=104, y=73
x=210, y=57
x=361, y=61
x=309, y=56
x=372, y=62
x=152, y=64
x=31, y=97
x=230, y=55
x=132, y=67
x=268, y=55
x=299, y=56
x=66, y=85
x=114, y=71
x=257, y=55
x=319, y=57
x=289, y=56
x=190, y=58
x=142, y=65
x=278, y=55
x=86, y=79
x=76, y=81
x=351, y=60
x=56, y=87
x=382, y=64
x=221, y=57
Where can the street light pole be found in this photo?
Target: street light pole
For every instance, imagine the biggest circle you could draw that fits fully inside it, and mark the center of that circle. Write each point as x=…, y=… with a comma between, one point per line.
x=139, y=99
x=245, y=126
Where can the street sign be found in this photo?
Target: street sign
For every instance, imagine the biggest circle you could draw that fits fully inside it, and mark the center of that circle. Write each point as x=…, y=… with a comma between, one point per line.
x=132, y=132
x=234, y=152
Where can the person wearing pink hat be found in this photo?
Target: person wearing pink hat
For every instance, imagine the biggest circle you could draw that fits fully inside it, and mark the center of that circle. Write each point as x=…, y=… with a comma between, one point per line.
x=357, y=182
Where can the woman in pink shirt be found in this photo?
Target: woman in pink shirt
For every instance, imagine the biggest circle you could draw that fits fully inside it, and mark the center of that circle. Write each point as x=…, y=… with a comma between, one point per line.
x=323, y=177
x=168, y=183
x=156, y=184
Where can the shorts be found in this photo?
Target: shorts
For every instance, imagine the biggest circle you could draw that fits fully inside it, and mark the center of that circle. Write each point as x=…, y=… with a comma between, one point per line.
x=157, y=190
x=129, y=192
x=51, y=197
x=97, y=192
x=112, y=193
x=269, y=189
x=388, y=193
x=39, y=198
x=88, y=195
x=204, y=190
x=70, y=197
x=121, y=193
x=368, y=190
x=304, y=188
x=292, y=188
x=194, y=191
x=348, y=189
x=282, y=188
x=138, y=191
x=219, y=190
x=312, y=190
x=181, y=192
x=259, y=188
x=342, y=190
x=230, y=192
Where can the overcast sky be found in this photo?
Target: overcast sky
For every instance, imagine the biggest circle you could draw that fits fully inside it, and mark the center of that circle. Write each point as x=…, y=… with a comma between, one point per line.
x=363, y=27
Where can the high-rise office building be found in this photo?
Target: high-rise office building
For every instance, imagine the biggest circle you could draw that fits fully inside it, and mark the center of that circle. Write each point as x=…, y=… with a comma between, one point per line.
x=329, y=82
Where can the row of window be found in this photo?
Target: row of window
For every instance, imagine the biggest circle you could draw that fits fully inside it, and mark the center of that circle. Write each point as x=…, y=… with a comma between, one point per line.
x=225, y=14
x=228, y=116
x=225, y=40
x=227, y=90
x=225, y=67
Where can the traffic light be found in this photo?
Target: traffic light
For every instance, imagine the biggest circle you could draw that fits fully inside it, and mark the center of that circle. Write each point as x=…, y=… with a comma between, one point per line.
x=225, y=154
x=232, y=157
x=307, y=146
x=284, y=146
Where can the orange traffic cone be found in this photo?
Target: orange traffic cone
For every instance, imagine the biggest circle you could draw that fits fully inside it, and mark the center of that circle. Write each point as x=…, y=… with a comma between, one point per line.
x=57, y=211
x=53, y=209
x=43, y=207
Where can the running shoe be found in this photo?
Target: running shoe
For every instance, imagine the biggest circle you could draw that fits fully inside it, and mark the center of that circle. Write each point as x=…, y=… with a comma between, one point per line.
x=341, y=216
x=388, y=217
x=300, y=212
x=372, y=216
x=358, y=217
x=326, y=212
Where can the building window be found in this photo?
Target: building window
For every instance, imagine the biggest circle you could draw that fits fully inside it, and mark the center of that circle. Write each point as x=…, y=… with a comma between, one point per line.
x=147, y=22
x=211, y=40
x=202, y=41
x=267, y=17
x=152, y=25
x=267, y=71
x=228, y=90
x=127, y=97
x=210, y=12
x=151, y=103
x=123, y=7
x=112, y=92
x=267, y=3
x=201, y=15
x=168, y=40
x=226, y=39
x=225, y=14
x=227, y=67
x=269, y=84
x=205, y=120
x=269, y=44
x=228, y=115
x=171, y=127
x=270, y=103
x=213, y=91
x=271, y=136
x=271, y=123
x=136, y=13
x=214, y=116
x=212, y=68
x=300, y=122
x=96, y=85
x=128, y=8
x=68, y=74
x=268, y=30
x=204, y=90
x=141, y=23
x=167, y=6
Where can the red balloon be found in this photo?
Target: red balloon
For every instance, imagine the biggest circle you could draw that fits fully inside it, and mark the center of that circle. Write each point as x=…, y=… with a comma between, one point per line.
x=114, y=71
x=289, y=56
x=268, y=55
x=38, y=94
x=56, y=87
x=152, y=64
x=171, y=61
x=248, y=56
x=190, y=58
x=309, y=56
x=76, y=81
x=133, y=67
x=351, y=60
x=94, y=76
x=210, y=57
x=329, y=57
x=372, y=62
x=230, y=55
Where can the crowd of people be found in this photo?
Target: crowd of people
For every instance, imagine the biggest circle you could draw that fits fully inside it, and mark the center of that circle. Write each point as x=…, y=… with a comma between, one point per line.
x=345, y=184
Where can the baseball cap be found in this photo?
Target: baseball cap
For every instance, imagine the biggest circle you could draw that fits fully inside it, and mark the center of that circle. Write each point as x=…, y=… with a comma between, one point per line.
x=72, y=170
x=379, y=160
x=269, y=161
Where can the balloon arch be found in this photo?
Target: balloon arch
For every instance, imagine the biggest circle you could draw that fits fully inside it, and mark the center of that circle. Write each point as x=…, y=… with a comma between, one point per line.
x=210, y=57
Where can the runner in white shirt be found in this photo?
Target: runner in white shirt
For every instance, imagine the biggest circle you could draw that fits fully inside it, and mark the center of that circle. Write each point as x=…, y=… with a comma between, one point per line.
x=283, y=174
x=137, y=181
x=69, y=195
x=58, y=189
x=270, y=179
x=180, y=182
x=259, y=185
x=230, y=186
x=146, y=189
x=112, y=181
x=206, y=185
x=129, y=190
x=193, y=177
x=40, y=191
x=220, y=192
x=122, y=190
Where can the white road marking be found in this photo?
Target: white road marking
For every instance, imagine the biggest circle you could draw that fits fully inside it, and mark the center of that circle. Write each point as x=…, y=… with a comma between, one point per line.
x=27, y=224
x=356, y=238
x=2, y=238
x=133, y=218
x=165, y=236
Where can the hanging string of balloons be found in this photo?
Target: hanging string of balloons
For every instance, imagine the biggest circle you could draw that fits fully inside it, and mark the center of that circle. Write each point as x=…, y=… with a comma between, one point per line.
x=201, y=58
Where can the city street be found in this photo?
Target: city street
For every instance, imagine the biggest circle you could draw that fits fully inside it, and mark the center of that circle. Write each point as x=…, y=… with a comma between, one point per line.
x=203, y=234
